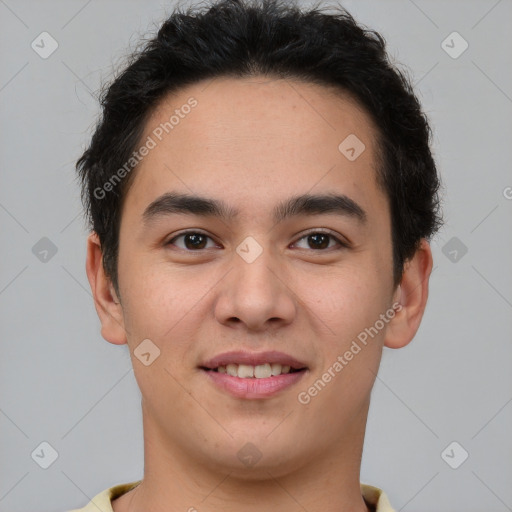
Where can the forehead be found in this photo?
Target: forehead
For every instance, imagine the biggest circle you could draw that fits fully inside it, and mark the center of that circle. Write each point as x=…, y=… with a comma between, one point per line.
x=256, y=141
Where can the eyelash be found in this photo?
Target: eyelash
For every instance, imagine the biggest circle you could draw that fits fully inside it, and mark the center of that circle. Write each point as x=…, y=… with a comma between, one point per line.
x=342, y=245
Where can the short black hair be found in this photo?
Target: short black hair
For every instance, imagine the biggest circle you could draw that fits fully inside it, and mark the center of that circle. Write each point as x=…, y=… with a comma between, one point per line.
x=240, y=38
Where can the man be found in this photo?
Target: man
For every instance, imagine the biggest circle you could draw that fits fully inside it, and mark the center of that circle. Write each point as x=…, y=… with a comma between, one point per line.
x=261, y=195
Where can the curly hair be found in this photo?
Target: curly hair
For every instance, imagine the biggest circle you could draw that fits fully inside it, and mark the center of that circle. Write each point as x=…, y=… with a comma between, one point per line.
x=240, y=38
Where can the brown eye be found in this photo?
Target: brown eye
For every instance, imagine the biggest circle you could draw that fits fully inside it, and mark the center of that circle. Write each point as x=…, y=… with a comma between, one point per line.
x=318, y=240
x=192, y=240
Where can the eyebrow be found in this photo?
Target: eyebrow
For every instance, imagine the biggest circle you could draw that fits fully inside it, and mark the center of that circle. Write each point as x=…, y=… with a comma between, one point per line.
x=305, y=204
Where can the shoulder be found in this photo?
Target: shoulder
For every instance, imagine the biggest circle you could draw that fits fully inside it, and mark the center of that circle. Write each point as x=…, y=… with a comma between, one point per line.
x=103, y=501
x=376, y=498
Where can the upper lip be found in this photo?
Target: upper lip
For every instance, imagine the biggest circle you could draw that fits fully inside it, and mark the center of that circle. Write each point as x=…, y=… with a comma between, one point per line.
x=253, y=358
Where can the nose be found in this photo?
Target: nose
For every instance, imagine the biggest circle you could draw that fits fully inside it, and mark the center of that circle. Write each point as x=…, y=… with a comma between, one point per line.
x=256, y=294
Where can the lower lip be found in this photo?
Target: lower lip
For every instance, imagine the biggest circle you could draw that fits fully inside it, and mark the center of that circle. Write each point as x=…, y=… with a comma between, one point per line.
x=252, y=387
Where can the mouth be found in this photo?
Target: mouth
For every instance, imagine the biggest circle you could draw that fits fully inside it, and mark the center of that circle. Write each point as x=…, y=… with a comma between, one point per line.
x=247, y=371
x=251, y=375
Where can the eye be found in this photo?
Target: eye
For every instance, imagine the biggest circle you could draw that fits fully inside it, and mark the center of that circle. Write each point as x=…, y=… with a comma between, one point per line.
x=196, y=241
x=320, y=240
x=193, y=240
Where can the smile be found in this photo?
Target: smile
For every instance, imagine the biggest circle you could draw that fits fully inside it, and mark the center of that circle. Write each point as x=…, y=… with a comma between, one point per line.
x=261, y=371
x=251, y=386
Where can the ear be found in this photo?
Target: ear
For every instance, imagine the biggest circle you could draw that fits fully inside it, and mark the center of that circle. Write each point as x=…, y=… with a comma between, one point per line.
x=107, y=304
x=411, y=295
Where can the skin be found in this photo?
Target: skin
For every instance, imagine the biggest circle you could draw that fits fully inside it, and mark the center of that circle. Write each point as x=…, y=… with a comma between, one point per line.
x=253, y=143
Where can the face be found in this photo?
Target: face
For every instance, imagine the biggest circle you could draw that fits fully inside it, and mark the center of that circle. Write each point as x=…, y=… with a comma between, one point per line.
x=302, y=282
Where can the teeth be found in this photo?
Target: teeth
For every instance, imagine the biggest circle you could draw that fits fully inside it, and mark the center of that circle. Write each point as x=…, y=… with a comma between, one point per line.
x=232, y=369
x=245, y=370
x=261, y=371
x=276, y=368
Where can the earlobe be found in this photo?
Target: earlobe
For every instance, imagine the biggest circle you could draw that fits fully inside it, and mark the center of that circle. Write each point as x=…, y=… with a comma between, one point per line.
x=106, y=301
x=411, y=298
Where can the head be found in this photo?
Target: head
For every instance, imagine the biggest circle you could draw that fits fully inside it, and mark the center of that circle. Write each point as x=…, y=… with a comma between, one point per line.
x=247, y=106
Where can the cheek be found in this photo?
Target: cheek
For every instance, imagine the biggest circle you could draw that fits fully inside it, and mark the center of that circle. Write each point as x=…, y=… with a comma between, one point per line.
x=344, y=301
x=161, y=303
x=156, y=307
x=351, y=348
x=349, y=303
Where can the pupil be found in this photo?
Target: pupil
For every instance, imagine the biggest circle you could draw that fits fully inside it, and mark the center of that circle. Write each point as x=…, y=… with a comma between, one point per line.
x=320, y=240
x=195, y=238
x=316, y=237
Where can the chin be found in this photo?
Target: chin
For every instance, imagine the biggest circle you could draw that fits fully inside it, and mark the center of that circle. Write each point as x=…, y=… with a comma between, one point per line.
x=255, y=456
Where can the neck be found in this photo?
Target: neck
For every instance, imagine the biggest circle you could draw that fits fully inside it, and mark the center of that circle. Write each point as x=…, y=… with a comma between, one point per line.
x=327, y=482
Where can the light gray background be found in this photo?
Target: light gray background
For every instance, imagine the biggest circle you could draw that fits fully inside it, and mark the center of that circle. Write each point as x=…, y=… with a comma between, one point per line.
x=63, y=384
